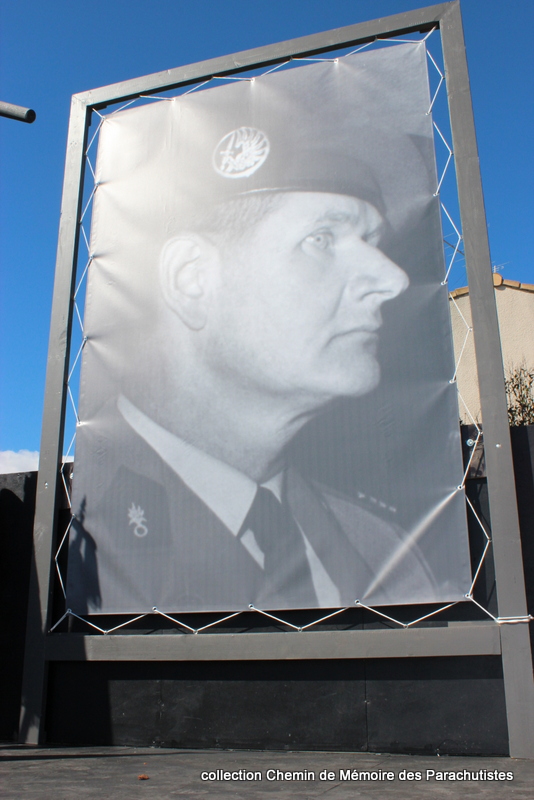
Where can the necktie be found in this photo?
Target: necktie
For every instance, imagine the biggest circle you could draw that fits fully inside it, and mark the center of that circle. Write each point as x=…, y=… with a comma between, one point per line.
x=288, y=579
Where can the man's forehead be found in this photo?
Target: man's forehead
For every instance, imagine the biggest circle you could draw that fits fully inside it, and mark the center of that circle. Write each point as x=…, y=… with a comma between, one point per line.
x=326, y=207
x=352, y=210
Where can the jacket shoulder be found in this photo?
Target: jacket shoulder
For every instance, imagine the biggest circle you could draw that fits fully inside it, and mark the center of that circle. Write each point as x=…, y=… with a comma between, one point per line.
x=363, y=516
x=401, y=573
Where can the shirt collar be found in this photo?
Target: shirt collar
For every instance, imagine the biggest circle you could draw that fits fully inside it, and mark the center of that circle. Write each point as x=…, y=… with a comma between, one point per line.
x=226, y=491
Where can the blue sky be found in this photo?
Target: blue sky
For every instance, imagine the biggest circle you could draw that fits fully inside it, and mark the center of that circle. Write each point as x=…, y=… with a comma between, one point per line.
x=50, y=50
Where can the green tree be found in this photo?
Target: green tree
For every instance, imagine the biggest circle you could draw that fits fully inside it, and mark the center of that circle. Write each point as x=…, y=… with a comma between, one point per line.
x=520, y=395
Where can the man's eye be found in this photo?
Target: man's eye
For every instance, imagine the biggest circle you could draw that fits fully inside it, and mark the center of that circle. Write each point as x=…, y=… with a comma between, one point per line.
x=373, y=237
x=320, y=240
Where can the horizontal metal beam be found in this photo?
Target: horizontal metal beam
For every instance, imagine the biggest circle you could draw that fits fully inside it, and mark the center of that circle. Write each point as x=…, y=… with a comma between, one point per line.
x=461, y=639
x=419, y=20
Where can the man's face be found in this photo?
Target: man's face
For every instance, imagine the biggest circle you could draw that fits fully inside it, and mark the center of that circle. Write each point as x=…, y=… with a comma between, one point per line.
x=297, y=311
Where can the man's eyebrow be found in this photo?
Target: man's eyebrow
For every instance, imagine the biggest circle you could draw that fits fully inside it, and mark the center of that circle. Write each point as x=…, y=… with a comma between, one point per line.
x=337, y=216
x=353, y=218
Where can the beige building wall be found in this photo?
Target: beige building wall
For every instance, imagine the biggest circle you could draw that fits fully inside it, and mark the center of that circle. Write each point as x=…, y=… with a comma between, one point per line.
x=515, y=309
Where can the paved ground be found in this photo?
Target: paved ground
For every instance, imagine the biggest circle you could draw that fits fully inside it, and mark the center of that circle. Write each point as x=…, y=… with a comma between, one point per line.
x=113, y=772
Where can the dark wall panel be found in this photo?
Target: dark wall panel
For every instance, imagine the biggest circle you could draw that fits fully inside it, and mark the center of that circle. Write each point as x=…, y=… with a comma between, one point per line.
x=17, y=506
x=267, y=705
x=452, y=706
x=431, y=705
x=523, y=450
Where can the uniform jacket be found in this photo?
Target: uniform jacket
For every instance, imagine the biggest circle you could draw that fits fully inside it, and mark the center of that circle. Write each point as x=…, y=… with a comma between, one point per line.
x=142, y=539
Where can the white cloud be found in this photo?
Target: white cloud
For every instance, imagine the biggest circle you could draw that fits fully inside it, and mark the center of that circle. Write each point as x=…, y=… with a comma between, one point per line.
x=22, y=461
x=18, y=461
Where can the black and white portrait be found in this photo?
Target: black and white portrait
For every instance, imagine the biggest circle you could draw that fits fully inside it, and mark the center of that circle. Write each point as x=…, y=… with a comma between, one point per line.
x=266, y=412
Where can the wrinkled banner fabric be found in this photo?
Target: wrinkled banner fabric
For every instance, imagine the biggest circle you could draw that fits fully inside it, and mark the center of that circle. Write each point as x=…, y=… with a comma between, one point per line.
x=266, y=413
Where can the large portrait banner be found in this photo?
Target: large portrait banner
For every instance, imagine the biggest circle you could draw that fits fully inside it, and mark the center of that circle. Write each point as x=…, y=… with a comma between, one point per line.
x=266, y=413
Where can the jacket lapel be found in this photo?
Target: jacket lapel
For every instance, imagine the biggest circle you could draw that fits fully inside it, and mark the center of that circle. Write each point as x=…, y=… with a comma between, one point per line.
x=345, y=565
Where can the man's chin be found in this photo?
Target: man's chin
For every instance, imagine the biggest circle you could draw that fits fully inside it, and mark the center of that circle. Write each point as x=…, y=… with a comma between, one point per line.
x=362, y=380
x=355, y=383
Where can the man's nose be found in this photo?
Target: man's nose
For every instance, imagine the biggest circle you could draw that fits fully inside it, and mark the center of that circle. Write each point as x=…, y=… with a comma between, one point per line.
x=379, y=275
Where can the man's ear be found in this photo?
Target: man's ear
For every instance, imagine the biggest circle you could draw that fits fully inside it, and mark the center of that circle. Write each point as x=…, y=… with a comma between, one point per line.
x=187, y=268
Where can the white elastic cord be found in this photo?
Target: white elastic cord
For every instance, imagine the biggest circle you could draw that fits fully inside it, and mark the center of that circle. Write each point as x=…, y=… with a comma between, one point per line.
x=432, y=614
x=277, y=619
x=502, y=620
x=380, y=614
x=328, y=616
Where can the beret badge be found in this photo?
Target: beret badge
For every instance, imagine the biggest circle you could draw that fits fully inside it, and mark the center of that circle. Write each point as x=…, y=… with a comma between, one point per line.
x=240, y=153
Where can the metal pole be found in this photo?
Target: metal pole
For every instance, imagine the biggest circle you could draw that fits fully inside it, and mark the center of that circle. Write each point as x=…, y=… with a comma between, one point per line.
x=40, y=590
x=17, y=112
x=516, y=652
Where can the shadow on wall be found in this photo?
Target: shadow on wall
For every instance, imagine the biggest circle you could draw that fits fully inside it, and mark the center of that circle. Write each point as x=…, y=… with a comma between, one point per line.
x=17, y=510
x=17, y=507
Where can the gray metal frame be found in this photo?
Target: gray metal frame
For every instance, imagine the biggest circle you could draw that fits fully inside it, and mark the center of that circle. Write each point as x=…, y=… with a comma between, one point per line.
x=511, y=640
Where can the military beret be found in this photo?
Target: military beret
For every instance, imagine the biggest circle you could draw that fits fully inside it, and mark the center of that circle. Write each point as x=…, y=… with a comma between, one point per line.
x=247, y=137
x=357, y=127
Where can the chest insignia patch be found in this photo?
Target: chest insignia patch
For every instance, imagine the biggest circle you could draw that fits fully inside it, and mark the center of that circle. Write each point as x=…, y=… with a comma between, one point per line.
x=136, y=517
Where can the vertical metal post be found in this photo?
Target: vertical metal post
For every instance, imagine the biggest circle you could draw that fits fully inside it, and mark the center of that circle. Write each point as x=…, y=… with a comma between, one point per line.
x=516, y=653
x=35, y=667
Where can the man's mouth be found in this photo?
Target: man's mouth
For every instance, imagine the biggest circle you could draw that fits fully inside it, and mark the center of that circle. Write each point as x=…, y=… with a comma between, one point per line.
x=365, y=330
